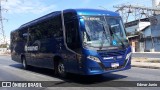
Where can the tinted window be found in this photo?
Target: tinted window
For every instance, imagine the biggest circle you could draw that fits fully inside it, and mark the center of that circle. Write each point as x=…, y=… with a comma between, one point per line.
x=17, y=36
x=47, y=29
x=72, y=33
x=14, y=36
x=23, y=34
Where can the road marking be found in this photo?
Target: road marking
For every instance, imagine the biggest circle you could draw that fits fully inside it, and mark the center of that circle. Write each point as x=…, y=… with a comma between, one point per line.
x=32, y=76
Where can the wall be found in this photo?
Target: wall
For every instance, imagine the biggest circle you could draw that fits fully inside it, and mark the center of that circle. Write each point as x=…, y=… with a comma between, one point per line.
x=143, y=25
x=147, y=32
x=155, y=30
x=140, y=26
x=3, y=50
x=132, y=29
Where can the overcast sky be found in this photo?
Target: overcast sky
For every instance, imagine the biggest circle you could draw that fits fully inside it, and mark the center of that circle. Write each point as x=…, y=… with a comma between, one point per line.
x=23, y=11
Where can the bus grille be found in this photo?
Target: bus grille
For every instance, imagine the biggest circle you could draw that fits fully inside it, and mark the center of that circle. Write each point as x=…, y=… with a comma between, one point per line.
x=120, y=67
x=111, y=53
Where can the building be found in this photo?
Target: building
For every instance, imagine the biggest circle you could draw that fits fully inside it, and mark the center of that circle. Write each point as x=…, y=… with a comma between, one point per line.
x=137, y=32
x=136, y=26
x=3, y=50
x=146, y=40
x=155, y=32
x=144, y=37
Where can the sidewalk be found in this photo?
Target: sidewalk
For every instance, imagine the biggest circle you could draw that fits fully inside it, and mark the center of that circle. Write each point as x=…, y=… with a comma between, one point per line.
x=146, y=63
x=2, y=54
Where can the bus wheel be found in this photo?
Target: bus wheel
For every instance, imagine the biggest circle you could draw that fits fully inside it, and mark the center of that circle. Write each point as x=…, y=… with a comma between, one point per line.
x=25, y=66
x=61, y=69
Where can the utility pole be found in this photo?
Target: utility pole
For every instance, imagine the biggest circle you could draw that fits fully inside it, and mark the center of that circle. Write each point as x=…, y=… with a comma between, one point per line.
x=2, y=32
x=135, y=11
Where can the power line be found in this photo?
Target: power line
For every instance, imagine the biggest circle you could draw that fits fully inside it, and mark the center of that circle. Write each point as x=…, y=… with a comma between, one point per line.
x=136, y=11
x=2, y=32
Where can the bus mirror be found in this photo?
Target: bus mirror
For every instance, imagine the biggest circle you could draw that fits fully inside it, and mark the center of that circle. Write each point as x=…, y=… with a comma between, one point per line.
x=82, y=23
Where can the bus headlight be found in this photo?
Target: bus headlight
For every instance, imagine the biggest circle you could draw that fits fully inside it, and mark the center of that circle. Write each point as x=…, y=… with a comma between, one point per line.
x=94, y=59
x=128, y=55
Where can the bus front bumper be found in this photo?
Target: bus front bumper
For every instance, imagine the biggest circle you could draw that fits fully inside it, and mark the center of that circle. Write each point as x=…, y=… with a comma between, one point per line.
x=102, y=70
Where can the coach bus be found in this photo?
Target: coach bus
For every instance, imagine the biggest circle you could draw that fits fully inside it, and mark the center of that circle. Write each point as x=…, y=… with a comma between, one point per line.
x=80, y=41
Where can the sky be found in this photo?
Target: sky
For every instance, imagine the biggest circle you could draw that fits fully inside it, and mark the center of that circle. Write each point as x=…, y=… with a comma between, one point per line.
x=22, y=11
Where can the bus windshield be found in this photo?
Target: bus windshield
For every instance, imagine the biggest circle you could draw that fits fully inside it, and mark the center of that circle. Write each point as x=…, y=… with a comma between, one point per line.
x=103, y=32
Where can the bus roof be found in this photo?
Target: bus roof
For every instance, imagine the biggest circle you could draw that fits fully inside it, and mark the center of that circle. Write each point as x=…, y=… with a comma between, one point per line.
x=78, y=11
x=95, y=12
x=40, y=19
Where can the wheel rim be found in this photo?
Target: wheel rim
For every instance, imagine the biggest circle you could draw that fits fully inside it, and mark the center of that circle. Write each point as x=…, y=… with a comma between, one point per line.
x=61, y=69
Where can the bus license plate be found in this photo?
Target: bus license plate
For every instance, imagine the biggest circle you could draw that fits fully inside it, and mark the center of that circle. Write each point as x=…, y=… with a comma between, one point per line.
x=114, y=65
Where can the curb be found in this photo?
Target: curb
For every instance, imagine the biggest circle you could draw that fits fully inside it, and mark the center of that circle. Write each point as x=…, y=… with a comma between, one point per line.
x=134, y=58
x=150, y=67
x=146, y=52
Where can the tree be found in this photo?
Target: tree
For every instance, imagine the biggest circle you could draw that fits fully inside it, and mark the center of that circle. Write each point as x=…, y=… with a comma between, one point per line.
x=3, y=45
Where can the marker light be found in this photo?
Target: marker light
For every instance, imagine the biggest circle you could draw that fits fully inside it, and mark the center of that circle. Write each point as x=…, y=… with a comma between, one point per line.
x=94, y=58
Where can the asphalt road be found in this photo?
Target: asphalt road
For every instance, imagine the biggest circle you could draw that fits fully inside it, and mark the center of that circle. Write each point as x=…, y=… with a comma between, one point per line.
x=12, y=71
x=146, y=55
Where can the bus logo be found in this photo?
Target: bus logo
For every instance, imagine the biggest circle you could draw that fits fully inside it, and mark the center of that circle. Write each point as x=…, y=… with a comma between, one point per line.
x=107, y=58
x=31, y=48
x=114, y=42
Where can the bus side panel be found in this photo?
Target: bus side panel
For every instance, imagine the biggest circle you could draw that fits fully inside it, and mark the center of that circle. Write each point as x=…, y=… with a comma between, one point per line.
x=17, y=45
x=46, y=35
x=17, y=49
x=47, y=49
x=71, y=62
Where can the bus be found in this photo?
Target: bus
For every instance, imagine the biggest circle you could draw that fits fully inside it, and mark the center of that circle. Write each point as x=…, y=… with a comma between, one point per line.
x=79, y=41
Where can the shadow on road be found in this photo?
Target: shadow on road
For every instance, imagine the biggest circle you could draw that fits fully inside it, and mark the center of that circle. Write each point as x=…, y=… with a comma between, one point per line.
x=76, y=79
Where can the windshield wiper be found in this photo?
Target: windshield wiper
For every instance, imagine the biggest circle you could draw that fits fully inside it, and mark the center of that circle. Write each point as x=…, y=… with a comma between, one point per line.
x=102, y=42
x=102, y=38
x=112, y=33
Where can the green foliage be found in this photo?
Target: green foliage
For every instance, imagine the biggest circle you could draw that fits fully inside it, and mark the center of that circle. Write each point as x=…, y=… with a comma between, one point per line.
x=3, y=45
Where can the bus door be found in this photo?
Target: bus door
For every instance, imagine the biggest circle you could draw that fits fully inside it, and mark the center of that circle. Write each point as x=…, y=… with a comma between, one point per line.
x=73, y=44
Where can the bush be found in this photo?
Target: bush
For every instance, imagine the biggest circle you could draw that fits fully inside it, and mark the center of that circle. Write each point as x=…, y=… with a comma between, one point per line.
x=3, y=46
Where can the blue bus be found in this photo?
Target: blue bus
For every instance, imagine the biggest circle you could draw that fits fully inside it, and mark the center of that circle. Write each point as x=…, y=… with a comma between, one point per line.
x=80, y=41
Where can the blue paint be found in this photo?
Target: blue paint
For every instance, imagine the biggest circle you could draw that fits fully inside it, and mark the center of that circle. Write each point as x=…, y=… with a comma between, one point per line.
x=54, y=48
x=114, y=42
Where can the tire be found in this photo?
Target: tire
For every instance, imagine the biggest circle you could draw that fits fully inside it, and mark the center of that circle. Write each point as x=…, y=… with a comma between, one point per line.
x=61, y=69
x=24, y=63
